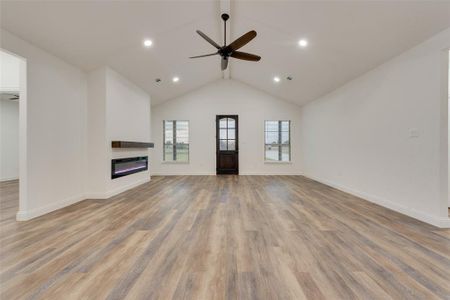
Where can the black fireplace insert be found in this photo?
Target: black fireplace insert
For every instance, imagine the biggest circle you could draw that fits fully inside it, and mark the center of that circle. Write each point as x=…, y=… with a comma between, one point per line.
x=126, y=166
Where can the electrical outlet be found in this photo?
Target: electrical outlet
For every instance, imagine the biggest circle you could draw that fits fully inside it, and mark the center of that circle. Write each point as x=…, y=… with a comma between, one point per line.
x=413, y=133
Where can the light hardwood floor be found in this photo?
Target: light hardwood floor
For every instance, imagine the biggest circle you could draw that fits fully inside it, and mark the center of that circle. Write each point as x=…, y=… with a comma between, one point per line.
x=231, y=237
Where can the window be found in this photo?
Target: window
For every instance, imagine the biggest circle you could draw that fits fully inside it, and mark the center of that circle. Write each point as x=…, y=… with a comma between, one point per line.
x=176, y=141
x=277, y=141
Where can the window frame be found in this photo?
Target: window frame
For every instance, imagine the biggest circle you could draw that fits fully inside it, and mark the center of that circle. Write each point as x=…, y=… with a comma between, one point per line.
x=279, y=143
x=174, y=142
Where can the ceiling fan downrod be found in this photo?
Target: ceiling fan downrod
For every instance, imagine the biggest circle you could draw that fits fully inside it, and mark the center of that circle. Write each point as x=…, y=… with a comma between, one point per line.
x=225, y=17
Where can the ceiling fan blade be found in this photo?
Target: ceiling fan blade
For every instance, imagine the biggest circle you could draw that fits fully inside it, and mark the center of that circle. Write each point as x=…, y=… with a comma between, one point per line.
x=244, y=39
x=224, y=63
x=208, y=39
x=245, y=56
x=204, y=55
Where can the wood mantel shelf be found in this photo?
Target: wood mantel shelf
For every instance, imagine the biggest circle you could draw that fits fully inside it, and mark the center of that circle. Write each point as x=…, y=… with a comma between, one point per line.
x=128, y=144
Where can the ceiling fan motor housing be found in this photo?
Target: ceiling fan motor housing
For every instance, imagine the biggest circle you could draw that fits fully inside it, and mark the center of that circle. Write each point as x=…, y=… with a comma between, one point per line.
x=225, y=51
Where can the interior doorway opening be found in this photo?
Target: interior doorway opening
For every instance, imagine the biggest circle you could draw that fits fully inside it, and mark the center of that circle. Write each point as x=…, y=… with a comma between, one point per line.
x=13, y=131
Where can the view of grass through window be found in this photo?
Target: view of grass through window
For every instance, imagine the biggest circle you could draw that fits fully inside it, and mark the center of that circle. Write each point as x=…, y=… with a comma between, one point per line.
x=176, y=141
x=277, y=141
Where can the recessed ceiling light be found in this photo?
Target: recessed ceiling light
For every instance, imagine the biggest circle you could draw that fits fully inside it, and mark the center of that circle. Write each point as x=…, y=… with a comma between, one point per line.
x=148, y=43
x=276, y=79
x=303, y=43
x=176, y=79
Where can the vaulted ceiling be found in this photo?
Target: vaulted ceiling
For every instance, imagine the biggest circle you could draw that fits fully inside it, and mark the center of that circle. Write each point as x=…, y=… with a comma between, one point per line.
x=346, y=39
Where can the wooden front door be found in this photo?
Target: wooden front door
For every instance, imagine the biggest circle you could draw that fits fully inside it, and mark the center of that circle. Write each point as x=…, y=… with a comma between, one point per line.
x=227, y=144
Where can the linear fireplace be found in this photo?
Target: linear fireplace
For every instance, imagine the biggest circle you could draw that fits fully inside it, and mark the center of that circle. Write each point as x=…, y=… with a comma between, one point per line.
x=126, y=166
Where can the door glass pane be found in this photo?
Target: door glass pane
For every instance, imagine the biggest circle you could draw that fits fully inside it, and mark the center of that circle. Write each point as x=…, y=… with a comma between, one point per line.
x=223, y=134
x=271, y=137
x=231, y=145
x=231, y=123
x=182, y=152
x=285, y=137
x=168, y=152
x=285, y=153
x=223, y=145
x=223, y=123
x=271, y=152
x=231, y=133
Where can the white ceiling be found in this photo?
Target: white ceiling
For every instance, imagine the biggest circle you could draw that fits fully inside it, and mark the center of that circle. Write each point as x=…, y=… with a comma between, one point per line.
x=346, y=39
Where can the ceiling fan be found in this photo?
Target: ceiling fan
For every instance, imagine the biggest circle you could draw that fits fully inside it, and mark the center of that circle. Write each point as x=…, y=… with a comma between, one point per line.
x=230, y=50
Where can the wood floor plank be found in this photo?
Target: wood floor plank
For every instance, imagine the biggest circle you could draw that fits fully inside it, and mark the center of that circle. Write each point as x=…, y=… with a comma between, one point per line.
x=222, y=237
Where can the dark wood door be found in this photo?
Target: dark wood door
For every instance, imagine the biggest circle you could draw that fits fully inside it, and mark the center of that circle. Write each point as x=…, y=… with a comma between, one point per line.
x=227, y=144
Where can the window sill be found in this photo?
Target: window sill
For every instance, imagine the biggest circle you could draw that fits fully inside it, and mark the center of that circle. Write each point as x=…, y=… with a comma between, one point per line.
x=175, y=162
x=277, y=162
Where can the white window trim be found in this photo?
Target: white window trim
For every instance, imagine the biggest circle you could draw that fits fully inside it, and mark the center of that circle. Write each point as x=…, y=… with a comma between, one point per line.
x=277, y=162
x=166, y=162
x=174, y=162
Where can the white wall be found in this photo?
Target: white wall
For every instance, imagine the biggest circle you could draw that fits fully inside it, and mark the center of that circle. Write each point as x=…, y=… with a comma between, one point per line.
x=117, y=110
x=201, y=106
x=128, y=112
x=381, y=135
x=97, y=145
x=9, y=140
x=55, y=118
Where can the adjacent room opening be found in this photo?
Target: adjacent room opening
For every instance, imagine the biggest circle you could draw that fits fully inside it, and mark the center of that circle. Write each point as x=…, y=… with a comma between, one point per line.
x=12, y=129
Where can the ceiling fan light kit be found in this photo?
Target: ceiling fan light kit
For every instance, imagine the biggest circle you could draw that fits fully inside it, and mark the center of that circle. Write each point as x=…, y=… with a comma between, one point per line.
x=227, y=51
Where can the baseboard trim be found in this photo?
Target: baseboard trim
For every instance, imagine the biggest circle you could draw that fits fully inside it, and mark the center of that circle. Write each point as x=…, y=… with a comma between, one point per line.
x=214, y=174
x=270, y=174
x=37, y=212
x=34, y=213
x=9, y=179
x=117, y=191
x=440, y=222
x=184, y=174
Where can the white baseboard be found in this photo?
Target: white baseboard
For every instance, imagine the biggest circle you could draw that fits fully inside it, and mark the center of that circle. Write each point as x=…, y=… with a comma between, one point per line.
x=440, y=222
x=30, y=214
x=214, y=174
x=9, y=179
x=271, y=174
x=117, y=191
x=33, y=213
x=183, y=174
